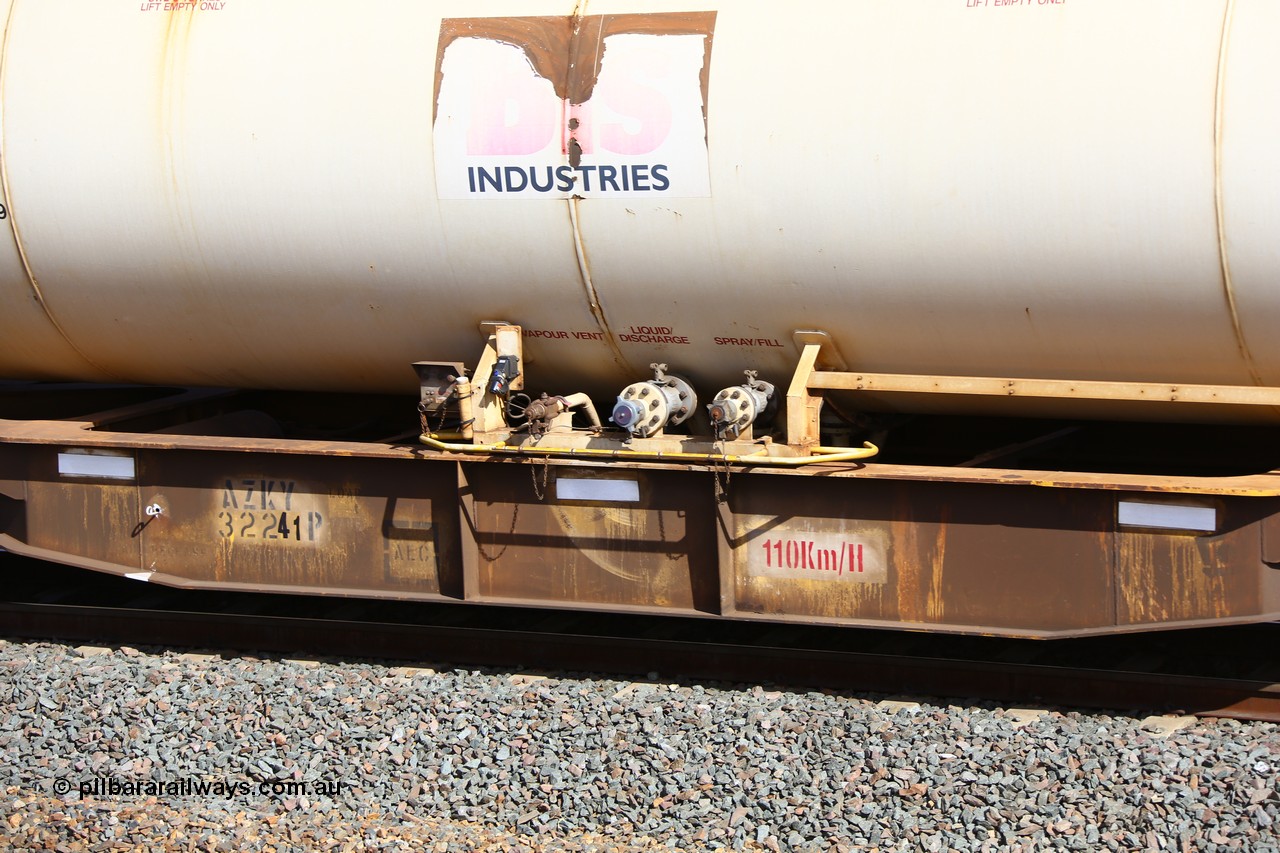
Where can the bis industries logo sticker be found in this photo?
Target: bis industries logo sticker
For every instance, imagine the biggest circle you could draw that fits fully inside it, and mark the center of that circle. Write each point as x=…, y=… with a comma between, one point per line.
x=597, y=106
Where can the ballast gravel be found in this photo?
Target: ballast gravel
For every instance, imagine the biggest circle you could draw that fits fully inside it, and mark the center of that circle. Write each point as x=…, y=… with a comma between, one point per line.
x=117, y=749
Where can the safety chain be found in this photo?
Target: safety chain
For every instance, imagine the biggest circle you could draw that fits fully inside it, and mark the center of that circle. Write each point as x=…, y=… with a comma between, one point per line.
x=722, y=489
x=444, y=415
x=540, y=489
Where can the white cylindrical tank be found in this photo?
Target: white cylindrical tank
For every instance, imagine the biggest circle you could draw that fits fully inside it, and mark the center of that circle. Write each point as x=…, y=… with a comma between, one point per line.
x=312, y=194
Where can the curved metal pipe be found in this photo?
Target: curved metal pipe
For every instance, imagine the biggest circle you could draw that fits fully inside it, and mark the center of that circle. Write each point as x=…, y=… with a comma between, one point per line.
x=574, y=401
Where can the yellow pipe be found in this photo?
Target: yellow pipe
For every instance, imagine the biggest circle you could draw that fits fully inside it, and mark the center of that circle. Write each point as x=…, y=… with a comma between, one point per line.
x=760, y=457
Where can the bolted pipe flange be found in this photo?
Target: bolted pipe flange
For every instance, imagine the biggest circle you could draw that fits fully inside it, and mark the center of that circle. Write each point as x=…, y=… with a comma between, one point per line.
x=646, y=408
x=734, y=410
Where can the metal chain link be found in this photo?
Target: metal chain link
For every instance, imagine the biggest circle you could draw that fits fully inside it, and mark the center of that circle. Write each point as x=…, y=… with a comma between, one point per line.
x=540, y=490
x=722, y=489
x=426, y=424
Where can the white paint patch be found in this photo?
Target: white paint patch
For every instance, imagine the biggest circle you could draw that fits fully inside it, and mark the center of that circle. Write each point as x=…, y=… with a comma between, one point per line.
x=502, y=132
x=96, y=465
x=794, y=551
x=1167, y=516
x=613, y=491
x=140, y=576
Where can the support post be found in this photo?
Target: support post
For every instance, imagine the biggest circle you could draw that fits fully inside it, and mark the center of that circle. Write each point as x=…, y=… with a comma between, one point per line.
x=804, y=408
x=504, y=340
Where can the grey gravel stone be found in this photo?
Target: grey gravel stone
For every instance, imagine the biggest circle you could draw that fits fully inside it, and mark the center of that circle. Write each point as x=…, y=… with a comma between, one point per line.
x=253, y=754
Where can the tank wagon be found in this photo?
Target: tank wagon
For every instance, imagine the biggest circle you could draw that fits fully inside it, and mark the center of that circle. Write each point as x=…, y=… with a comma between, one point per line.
x=950, y=315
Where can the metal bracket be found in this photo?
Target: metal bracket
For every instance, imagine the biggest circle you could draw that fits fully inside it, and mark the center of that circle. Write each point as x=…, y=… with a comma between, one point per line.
x=804, y=409
x=818, y=352
x=504, y=339
x=829, y=356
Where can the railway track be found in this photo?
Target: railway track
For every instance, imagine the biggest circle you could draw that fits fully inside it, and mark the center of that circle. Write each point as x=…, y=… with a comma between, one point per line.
x=1211, y=672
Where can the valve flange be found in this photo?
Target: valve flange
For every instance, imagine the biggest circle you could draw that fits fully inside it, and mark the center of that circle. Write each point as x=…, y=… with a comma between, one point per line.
x=646, y=408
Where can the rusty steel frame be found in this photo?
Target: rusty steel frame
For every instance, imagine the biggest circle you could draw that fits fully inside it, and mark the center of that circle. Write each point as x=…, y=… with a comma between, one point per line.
x=958, y=549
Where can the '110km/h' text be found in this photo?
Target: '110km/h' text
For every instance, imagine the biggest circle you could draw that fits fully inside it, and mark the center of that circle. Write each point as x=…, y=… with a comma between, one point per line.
x=806, y=554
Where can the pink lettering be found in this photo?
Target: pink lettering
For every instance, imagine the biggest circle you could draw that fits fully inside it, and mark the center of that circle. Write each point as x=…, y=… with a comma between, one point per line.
x=514, y=111
x=644, y=113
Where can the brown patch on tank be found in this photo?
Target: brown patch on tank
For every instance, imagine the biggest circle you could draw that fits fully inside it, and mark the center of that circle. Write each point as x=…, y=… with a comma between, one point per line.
x=545, y=41
x=569, y=51
x=588, y=44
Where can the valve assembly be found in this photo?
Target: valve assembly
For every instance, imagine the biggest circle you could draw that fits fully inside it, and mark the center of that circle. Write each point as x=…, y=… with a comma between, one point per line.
x=735, y=409
x=644, y=409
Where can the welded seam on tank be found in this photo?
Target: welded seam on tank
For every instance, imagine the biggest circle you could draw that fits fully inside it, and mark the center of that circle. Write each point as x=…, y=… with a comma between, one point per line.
x=579, y=248
x=1224, y=261
x=593, y=298
x=8, y=206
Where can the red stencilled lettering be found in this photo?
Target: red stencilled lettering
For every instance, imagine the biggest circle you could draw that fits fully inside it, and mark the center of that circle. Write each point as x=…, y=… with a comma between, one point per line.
x=985, y=4
x=562, y=335
x=652, y=335
x=748, y=342
x=806, y=555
